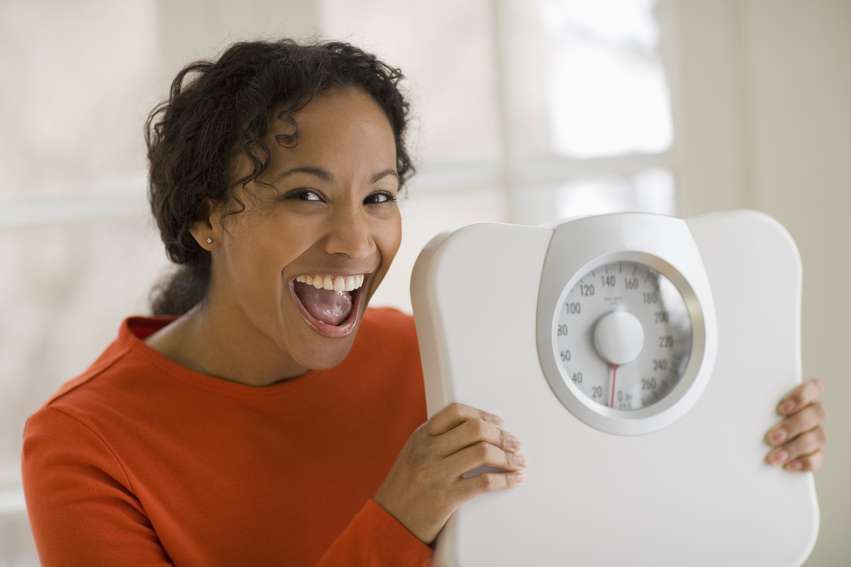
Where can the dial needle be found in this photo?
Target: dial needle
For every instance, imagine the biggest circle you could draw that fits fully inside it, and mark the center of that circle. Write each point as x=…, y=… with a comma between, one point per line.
x=614, y=368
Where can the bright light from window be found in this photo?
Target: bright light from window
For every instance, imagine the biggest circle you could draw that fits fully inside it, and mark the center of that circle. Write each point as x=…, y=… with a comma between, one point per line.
x=607, y=89
x=649, y=191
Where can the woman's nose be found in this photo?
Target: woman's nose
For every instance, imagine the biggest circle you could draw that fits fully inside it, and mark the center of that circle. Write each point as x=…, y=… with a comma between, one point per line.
x=350, y=234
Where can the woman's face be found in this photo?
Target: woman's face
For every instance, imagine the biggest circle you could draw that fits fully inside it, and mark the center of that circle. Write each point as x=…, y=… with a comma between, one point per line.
x=329, y=213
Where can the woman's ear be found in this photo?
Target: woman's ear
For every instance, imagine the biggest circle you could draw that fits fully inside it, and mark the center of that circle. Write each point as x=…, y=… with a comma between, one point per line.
x=208, y=233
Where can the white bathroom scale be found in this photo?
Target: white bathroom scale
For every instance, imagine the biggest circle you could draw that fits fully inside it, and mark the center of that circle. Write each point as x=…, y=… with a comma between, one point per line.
x=639, y=358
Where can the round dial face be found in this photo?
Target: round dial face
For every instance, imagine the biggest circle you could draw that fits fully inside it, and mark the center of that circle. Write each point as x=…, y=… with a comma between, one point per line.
x=624, y=335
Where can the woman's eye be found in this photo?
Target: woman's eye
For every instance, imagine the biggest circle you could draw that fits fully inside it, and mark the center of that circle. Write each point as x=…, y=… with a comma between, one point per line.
x=381, y=198
x=304, y=195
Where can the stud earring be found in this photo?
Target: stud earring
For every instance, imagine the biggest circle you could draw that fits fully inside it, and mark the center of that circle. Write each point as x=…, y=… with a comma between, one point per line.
x=209, y=240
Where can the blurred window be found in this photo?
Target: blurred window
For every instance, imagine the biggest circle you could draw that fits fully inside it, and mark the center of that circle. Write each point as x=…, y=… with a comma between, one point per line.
x=607, y=89
x=608, y=107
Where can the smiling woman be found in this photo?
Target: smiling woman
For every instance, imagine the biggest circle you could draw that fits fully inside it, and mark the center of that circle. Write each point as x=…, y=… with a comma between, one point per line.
x=263, y=415
x=323, y=206
x=310, y=189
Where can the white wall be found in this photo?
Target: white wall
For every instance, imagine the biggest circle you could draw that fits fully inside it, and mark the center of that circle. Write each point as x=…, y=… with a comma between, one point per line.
x=765, y=103
x=798, y=91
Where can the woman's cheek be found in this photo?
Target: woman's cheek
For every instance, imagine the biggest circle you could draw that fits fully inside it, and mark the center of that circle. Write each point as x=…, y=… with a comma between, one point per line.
x=391, y=238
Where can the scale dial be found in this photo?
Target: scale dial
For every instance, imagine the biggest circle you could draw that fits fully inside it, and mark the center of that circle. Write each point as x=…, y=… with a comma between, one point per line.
x=624, y=335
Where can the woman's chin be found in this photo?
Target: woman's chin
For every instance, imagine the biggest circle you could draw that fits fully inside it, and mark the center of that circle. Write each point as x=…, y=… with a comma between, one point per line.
x=312, y=349
x=318, y=357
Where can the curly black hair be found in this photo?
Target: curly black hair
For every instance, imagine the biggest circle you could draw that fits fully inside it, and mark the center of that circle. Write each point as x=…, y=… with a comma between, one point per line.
x=224, y=110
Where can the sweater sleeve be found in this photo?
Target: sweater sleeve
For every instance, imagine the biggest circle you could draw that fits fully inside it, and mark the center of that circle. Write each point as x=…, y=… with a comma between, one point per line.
x=375, y=538
x=83, y=511
x=80, y=505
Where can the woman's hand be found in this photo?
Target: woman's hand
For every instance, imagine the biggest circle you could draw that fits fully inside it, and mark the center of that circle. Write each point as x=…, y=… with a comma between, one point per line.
x=799, y=439
x=424, y=486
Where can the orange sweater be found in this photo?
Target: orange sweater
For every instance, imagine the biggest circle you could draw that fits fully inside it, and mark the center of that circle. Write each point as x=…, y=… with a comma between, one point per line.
x=140, y=461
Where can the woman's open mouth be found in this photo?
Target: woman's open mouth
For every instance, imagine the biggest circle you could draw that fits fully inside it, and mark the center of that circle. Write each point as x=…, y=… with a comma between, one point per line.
x=330, y=312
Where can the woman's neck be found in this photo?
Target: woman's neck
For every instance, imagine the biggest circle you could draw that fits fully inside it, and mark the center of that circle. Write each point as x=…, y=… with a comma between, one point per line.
x=223, y=343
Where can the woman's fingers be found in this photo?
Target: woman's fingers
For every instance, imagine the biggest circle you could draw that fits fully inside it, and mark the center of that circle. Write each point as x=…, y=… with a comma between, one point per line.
x=806, y=393
x=806, y=419
x=454, y=415
x=804, y=444
x=482, y=454
x=487, y=482
x=811, y=462
x=488, y=455
x=465, y=438
x=799, y=439
x=422, y=487
x=474, y=431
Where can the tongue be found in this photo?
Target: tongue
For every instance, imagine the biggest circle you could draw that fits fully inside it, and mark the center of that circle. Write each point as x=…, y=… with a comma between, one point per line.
x=332, y=307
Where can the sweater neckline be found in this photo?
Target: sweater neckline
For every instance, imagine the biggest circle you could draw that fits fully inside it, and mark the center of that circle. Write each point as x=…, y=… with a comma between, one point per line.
x=135, y=329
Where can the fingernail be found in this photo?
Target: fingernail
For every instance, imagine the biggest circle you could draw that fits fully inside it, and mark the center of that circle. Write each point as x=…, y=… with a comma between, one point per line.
x=519, y=460
x=520, y=476
x=778, y=436
x=780, y=457
x=795, y=465
x=495, y=418
x=787, y=406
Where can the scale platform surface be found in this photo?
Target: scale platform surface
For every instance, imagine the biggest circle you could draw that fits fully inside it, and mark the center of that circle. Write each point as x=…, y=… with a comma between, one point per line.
x=639, y=358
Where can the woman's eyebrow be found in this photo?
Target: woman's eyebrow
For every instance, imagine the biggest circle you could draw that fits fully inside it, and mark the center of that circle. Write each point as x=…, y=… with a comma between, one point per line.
x=326, y=175
x=322, y=174
x=384, y=173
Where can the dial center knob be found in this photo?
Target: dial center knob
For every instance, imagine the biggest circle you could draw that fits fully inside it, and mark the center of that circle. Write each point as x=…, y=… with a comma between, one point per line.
x=618, y=337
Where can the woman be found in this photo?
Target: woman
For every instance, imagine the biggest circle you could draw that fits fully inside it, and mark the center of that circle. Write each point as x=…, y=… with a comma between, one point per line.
x=264, y=415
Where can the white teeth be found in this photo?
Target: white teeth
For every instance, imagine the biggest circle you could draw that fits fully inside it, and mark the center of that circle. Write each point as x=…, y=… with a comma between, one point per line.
x=335, y=283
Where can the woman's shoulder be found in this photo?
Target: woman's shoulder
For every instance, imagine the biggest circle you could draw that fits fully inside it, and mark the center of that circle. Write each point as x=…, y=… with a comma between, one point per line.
x=98, y=385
